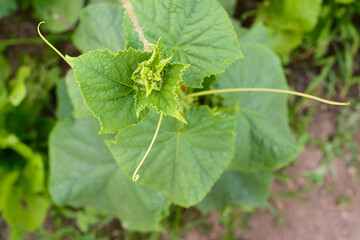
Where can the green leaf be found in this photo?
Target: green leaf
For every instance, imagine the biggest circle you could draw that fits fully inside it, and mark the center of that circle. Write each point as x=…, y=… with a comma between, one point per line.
x=264, y=140
x=23, y=202
x=33, y=174
x=257, y=33
x=83, y=173
x=80, y=109
x=305, y=13
x=7, y=7
x=8, y=178
x=100, y=28
x=198, y=33
x=228, y=5
x=185, y=160
x=106, y=85
x=19, y=90
x=282, y=42
x=24, y=210
x=287, y=20
x=64, y=108
x=58, y=15
x=236, y=188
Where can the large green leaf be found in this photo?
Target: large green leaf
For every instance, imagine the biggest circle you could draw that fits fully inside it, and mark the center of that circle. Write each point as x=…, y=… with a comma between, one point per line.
x=77, y=101
x=100, y=28
x=197, y=32
x=185, y=160
x=58, y=15
x=236, y=188
x=83, y=173
x=64, y=107
x=229, y=5
x=106, y=85
x=7, y=7
x=264, y=140
x=257, y=33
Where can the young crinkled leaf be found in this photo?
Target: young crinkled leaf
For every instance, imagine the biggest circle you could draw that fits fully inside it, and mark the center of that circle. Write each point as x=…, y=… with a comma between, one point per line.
x=196, y=32
x=158, y=80
x=185, y=160
x=106, y=85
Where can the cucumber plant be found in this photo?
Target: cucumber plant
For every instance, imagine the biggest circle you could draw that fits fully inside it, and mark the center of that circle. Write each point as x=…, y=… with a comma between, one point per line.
x=179, y=94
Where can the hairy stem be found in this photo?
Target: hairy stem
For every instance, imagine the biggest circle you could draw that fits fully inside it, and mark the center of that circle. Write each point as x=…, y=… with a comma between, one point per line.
x=138, y=29
x=265, y=90
x=50, y=45
x=136, y=176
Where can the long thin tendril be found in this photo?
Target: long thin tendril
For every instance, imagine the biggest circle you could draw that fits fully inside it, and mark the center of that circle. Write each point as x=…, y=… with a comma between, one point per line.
x=197, y=94
x=50, y=45
x=136, y=176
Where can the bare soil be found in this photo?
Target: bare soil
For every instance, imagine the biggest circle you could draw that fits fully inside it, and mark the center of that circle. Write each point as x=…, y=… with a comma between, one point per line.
x=330, y=212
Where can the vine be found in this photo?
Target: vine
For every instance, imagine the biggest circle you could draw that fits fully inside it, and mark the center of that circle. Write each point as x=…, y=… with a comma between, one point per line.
x=155, y=73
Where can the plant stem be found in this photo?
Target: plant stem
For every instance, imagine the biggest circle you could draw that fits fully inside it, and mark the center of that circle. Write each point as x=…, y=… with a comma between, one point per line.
x=138, y=29
x=136, y=176
x=265, y=90
x=13, y=142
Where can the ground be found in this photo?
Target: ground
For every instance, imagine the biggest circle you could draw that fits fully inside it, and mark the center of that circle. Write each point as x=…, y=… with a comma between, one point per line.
x=330, y=212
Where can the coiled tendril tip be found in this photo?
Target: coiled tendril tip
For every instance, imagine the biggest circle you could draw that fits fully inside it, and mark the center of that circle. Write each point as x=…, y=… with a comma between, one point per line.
x=136, y=176
x=50, y=45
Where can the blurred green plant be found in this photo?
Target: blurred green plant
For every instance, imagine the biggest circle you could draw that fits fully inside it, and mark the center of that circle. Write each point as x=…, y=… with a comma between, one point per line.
x=334, y=43
x=60, y=15
x=287, y=21
x=89, y=223
x=23, y=142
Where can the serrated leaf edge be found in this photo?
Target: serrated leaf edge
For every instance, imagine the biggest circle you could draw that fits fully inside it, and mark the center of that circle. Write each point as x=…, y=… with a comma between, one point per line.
x=69, y=58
